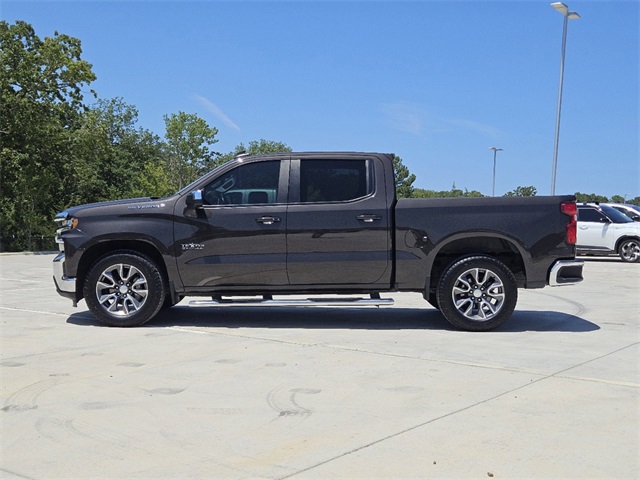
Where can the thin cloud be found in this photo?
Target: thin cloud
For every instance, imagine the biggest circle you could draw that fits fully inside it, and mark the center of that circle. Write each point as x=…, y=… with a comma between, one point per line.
x=219, y=114
x=404, y=117
x=410, y=118
x=486, y=130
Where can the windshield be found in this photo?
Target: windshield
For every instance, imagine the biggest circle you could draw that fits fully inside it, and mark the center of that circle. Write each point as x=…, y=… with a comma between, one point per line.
x=629, y=210
x=615, y=215
x=635, y=208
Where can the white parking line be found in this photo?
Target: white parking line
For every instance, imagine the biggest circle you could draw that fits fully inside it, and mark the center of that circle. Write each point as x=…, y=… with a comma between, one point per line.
x=26, y=310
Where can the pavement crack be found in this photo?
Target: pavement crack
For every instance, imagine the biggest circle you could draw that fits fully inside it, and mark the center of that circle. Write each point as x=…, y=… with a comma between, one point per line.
x=455, y=412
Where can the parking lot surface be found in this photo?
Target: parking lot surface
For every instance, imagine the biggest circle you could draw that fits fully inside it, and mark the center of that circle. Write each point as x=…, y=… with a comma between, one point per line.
x=321, y=393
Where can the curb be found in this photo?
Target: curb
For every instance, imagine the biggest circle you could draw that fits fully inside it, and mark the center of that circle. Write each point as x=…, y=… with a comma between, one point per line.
x=49, y=252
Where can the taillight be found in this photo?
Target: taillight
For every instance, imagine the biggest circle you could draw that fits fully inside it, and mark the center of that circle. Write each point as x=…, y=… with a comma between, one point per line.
x=570, y=208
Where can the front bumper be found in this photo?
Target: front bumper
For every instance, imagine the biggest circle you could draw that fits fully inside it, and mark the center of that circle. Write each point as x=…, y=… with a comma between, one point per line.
x=66, y=286
x=565, y=272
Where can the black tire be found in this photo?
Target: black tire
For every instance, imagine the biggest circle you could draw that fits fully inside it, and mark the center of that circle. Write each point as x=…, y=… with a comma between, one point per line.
x=433, y=300
x=124, y=289
x=629, y=250
x=477, y=293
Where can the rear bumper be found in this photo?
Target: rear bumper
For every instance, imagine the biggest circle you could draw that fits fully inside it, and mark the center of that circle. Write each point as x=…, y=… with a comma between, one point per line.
x=565, y=272
x=66, y=286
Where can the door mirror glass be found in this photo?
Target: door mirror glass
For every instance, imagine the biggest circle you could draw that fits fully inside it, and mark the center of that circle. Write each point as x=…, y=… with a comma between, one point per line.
x=194, y=199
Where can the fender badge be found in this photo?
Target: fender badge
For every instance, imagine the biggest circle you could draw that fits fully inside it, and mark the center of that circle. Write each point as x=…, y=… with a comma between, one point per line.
x=192, y=246
x=140, y=207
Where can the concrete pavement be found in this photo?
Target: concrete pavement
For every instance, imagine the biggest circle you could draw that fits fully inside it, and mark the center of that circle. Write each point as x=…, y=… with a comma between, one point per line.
x=274, y=393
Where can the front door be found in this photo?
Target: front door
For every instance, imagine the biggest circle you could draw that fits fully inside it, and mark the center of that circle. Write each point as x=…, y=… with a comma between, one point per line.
x=238, y=238
x=338, y=223
x=595, y=230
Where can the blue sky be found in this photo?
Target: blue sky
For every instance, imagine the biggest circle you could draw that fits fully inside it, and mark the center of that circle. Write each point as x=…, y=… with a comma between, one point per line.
x=435, y=82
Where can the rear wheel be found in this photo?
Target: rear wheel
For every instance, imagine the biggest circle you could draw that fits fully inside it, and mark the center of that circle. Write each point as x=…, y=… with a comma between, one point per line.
x=629, y=250
x=124, y=289
x=477, y=293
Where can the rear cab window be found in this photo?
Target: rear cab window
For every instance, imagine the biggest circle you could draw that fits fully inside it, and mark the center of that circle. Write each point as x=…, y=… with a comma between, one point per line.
x=325, y=181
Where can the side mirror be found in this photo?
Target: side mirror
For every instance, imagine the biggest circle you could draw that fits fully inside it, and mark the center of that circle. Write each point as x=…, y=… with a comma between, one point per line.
x=194, y=199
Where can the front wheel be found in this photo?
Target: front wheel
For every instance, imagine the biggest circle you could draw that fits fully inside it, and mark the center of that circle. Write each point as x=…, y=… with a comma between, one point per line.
x=629, y=250
x=124, y=289
x=477, y=293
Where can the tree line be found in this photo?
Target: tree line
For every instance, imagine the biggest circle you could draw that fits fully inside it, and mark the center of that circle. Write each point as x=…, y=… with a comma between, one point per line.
x=62, y=145
x=406, y=190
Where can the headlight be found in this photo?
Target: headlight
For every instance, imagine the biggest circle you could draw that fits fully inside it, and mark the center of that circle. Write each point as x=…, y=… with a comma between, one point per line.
x=66, y=223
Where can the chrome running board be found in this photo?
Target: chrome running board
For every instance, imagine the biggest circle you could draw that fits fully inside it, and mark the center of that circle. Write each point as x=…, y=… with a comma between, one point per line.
x=268, y=301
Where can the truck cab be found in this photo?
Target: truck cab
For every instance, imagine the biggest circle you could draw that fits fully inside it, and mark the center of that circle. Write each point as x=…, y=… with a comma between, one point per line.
x=321, y=220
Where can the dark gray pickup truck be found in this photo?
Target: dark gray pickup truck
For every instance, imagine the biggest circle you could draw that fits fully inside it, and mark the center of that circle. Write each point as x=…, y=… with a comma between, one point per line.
x=312, y=224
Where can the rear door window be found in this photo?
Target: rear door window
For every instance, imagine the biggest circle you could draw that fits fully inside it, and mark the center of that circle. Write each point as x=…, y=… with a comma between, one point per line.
x=324, y=181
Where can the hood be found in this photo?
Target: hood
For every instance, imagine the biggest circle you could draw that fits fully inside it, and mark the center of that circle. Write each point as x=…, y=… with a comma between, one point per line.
x=127, y=204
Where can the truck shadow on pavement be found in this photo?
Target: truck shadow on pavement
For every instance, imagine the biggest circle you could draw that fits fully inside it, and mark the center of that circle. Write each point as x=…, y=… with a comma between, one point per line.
x=343, y=318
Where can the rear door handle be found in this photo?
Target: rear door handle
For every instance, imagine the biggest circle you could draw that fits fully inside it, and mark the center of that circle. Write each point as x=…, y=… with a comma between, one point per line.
x=367, y=218
x=267, y=220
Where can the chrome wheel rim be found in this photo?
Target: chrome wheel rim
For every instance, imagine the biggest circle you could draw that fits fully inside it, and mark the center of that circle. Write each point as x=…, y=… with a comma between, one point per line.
x=630, y=251
x=122, y=290
x=478, y=294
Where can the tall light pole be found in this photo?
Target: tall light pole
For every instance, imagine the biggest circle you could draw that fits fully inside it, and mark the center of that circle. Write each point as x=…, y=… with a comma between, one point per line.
x=564, y=10
x=495, y=151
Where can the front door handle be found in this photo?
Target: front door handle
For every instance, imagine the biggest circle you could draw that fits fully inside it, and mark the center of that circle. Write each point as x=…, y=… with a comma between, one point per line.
x=267, y=220
x=367, y=218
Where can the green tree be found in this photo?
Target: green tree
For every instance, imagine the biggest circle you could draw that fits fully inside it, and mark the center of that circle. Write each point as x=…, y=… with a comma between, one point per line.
x=153, y=181
x=404, y=178
x=590, y=197
x=472, y=193
x=529, y=191
x=41, y=102
x=454, y=192
x=617, y=199
x=112, y=156
x=255, y=147
x=188, y=138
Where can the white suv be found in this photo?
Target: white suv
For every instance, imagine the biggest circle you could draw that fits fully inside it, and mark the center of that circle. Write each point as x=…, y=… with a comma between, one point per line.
x=603, y=230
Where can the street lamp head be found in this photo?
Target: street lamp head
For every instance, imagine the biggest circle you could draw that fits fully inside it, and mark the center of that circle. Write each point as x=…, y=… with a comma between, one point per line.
x=495, y=149
x=564, y=10
x=561, y=7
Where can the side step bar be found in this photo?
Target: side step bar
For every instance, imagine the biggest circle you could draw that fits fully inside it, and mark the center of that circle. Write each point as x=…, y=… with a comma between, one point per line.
x=268, y=301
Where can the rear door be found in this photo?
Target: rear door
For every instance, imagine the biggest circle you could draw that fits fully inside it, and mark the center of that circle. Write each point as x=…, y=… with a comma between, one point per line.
x=338, y=222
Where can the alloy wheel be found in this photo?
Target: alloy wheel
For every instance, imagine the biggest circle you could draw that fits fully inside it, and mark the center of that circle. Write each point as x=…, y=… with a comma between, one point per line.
x=478, y=294
x=121, y=289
